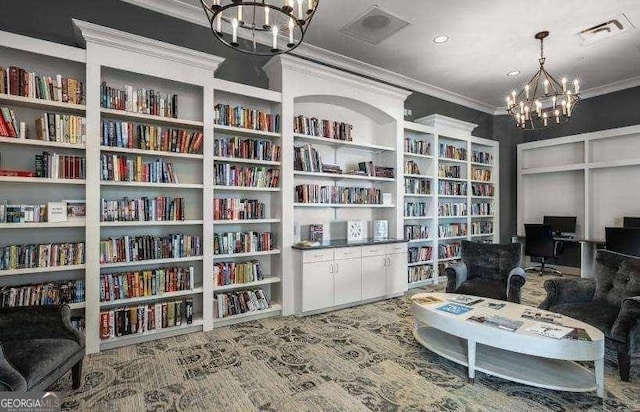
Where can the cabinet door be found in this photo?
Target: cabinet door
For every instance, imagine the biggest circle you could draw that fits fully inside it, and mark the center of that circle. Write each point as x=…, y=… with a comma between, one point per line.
x=317, y=285
x=396, y=273
x=347, y=284
x=374, y=278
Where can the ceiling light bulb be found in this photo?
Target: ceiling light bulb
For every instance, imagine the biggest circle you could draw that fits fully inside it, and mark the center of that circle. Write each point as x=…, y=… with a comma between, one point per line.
x=440, y=39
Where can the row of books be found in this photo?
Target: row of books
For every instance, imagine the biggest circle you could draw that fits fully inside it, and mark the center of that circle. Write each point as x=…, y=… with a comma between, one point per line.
x=452, y=188
x=481, y=174
x=484, y=227
x=41, y=255
x=143, y=209
x=412, y=232
x=51, y=293
x=57, y=166
x=312, y=126
x=420, y=254
x=411, y=167
x=137, y=248
x=417, y=186
x=233, y=273
x=419, y=273
x=255, y=149
x=8, y=123
x=116, y=168
x=22, y=213
x=242, y=242
x=370, y=169
x=449, y=250
x=481, y=209
x=478, y=156
x=61, y=128
x=238, y=209
x=449, y=171
x=306, y=158
x=236, y=303
x=139, y=100
x=452, y=209
x=417, y=146
x=482, y=189
x=452, y=230
x=337, y=195
x=415, y=209
x=142, y=318
x=17, y=81
x=245, y=176
x=452, y=152
x=146, y=137
x=142, y=283
x=246, y=118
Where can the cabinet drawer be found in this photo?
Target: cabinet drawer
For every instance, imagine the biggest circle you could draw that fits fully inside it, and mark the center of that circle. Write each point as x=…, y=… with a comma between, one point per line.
x=347, y=252
x=396, y=248
x=376, y=250
x=317, y=255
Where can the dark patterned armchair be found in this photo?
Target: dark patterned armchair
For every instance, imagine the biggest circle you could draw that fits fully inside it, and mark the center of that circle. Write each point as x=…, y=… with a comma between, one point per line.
x=37, y=346
x=610, y=301
x=488, y=270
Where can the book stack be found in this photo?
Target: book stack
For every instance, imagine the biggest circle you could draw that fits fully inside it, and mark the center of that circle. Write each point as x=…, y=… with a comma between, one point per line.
x=246, y=118
x=412, y=232
x=242, y=242
x=20, y=82
x=412, y=168
x=482, y=189
x=417, y=146
x=417, y=186
x=142, y=209
x=420, y=254
x=41, y=255
x=307, y=159
x=52, y=293
x=337, y=195
x=245, y=176
x=144, y=101
x=116, y=168
x=233, y=273
x=415, y=209
x=452, y=152
x=63, y=128
x=370, y=169
x=330, y=168
x=481, y=157
x=22, y=213
x=311, y=126
x=452, y=189
x=254, y=149
x=146, y=137
x=8, y=123
x=452, y=230
x=137, y=248
x=78, y=323
x=419, y=273
x=449, y=171
x=56, y=166
x=481, y=209
x=143, y=318
x=452, y=209
x=235, y=303
x=450, y=250
x=238, y=209
x=482, y=228
x=481, y=174
x=141, y=283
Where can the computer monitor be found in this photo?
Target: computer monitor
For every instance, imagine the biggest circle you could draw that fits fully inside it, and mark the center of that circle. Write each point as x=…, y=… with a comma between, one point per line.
x=561, y=224
x=631, y=221
x=623, y=240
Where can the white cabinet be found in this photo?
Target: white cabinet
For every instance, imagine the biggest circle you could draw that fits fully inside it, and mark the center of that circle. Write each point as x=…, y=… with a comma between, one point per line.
x=317, y=285
x=383, y=270
x=347, y=281
x=374, y=277
x=396, y=269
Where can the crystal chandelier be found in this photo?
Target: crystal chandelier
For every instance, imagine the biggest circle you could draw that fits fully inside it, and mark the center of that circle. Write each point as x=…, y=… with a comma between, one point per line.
x=267, y=27
x=544, y=102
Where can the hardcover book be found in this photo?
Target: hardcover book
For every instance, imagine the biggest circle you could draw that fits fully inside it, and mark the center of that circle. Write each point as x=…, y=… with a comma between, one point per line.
x=454, y=308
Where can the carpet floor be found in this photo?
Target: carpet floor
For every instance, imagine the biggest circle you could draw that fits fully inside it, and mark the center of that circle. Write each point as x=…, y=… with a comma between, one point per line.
x=358, y=359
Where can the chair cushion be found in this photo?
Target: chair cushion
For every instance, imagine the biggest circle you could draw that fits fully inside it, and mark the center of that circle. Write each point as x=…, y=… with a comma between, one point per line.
x=617, y=277
x=598, y=313
x=36, y=358
x=490, y=261
x=483, y=288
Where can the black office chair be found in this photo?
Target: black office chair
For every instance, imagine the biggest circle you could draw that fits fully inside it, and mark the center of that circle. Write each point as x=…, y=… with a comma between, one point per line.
x=631, y=221
x=625, y=240
x=539, y=243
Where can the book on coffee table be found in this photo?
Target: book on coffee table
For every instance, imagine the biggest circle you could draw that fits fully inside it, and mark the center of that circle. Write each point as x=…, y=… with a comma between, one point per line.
x=454, y=308
x=550, y=330
x=499, y=322
x=466, y=300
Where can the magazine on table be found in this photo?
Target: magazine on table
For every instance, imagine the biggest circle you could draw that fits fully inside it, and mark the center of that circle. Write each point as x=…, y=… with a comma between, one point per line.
x=550, y=330
x=466, y=300
x=499, y=322
x=494, y=306
x=542, y=316
x=425, y=300
x=578, y=334
x=454, y=308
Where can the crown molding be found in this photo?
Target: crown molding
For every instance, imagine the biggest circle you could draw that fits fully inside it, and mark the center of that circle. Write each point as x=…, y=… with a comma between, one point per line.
x=439, y=121
x=611, y=88
x=92, y=33
x=47, y=48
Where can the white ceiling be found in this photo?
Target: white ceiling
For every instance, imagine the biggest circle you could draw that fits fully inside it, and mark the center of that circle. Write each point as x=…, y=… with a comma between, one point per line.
x=488, y=39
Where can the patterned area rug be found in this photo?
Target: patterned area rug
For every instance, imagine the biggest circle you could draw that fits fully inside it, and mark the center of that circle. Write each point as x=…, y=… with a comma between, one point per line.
x=358, y=359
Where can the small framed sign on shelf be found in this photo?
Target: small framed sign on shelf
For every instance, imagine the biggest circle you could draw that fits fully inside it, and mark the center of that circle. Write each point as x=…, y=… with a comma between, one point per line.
x=380, y=229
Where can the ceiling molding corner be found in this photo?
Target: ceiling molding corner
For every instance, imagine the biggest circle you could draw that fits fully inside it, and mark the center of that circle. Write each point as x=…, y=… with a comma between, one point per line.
x=611, y=87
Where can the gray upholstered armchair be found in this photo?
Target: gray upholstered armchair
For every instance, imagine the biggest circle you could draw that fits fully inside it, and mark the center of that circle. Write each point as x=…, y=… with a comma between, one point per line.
x=610, y=301
x=488, y=270
x=37, y=346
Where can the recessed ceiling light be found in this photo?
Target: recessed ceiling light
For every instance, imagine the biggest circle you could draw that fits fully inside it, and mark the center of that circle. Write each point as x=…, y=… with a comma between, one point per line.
x=441, y=39
x=513, y=73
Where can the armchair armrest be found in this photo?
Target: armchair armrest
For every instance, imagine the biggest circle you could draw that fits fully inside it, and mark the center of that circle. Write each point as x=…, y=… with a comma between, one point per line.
x=568, y=291
x=515, y=282
x=624, y=329
x=456, y=275
x=38, y=322
x=10, y=378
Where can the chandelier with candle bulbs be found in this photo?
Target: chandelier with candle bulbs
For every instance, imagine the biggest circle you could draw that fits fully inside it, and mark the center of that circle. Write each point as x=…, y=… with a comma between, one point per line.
x=263, y=28
x=544, y=102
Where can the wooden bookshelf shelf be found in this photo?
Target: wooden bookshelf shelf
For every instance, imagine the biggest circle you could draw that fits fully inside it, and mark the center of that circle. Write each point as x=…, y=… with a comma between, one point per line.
x=274, y=309
x=448, y=259
x=418, y=176
x=151, y=153
x=125, y=340
x=236, y=286
x=246, y=188
x=41, y=143
x=454, y=196
x=245, y=221
x=40, y=104
x=426, y=239
x=447, y=160
x=482, y=216
x=153, y=223
x=453, y=237
x=153, y=298
x=482, y=234
x=418, y=195
x=156, y=185
x=148, y=118
x=42, y=225
x=243, y=131
x=451, y=217
x=331, y=205
x=41, y=180
x=343, y=176
x=452, y=179
x=482, y=164
x=31, y=271
x=77, y=306
x=483, y=197
x=490, y=182
x=418, y=217
x=417, y=155
x=420, y=283
x=574, y=167
x=151, y=262
x=341, y=143
x=221, y=159
x=426, y=262
x=247, y=254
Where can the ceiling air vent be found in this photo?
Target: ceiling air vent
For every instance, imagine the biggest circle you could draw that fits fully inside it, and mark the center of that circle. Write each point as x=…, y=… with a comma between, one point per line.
x=604, y=30
x=374, y=26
